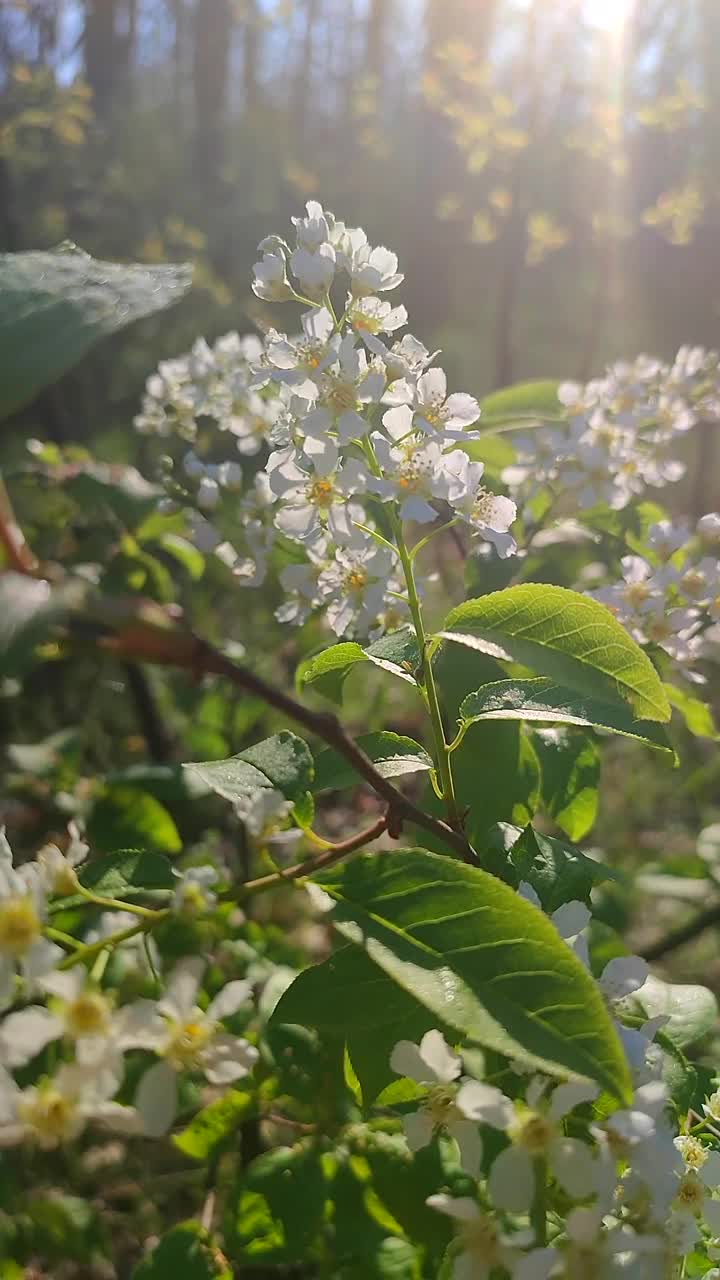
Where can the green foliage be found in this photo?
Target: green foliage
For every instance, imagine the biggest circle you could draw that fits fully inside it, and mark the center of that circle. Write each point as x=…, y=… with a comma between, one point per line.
x=124, y=817
x=566, y=636
x=55, y=306
x=215, y=1125
x=691, y=1010
x=392, y=754
x=480, y=958
x=558, y=872
x=326, y=673
x=281, y=763
x=542, y=701
x=127, y=874
x=29, y=608
x=570, y=767
x=523, y=404
x=185, y=1251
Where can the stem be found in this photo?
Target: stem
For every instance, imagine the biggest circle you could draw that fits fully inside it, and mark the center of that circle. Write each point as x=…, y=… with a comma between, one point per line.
x=115, y=904
x=538, y=1212
x=444, y=770
x=90, y=949
x=331, y=855
x=57, y=935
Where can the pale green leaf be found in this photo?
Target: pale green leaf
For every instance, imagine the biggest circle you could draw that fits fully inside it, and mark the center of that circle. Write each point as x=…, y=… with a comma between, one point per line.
x=280, y=763
x=392, y=754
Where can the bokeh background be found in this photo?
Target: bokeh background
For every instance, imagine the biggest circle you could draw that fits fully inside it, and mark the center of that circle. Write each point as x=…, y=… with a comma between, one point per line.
x=548, y=170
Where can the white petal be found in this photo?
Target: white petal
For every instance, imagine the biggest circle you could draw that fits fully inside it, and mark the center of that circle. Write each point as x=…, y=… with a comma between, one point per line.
x=398, y=421
x=156, y=1099
x=442, y=1061
x=65, y=983
x=567, y=1096
x=113, y=1115
x=461, y=410
x=432, y=385
x=527, y=892
x=536, y=1265
x=229, y=1000
x=511, y=1182
x=467, y=1136
x=418, y=1129
x=467, y=1266
x=571, y=918
x=41, y=958
x=9, y=1093
x=711, y=1214
x=406, y=1060
x=462, y=1208
x=574, y=1166
x=417, y=509
x=710, y=1171
x=228, y=1058
x=624, y=975
x=485, y=1103
x=139, y=1026
x=23, y=1035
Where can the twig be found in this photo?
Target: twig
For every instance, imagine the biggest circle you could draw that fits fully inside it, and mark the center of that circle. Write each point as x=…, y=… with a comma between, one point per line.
x=19, y=555
x=686, y=933
x=142, y=639
x=319, y=863
x=153, y=730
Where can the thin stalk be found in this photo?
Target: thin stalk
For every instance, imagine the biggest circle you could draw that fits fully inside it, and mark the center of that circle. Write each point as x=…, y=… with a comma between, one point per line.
x=115, y=904
x=444, y=769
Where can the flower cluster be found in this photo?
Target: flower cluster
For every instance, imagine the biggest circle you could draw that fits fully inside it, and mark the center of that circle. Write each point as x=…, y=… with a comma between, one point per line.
x=619, y=431
x=670, y=598
x=48, y=1000
x=360, y=432
x=626, y=1190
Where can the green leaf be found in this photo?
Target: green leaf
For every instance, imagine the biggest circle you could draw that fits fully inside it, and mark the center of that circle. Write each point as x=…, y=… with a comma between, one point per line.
x=54, y=306
x=280, y=763
x=123, y=491
x=564, y=635
x=692, y=1010
x=184, y=1253
x=557, y=872
x=125, y=817
x=327, y=672
x=697, y=714
x=544, y=701
x=217, y=1122
x=570, y=769
x=525, y=403
x=127, y=874
x=29, y=608
x=292, y=1180
x=480, y=958
x=348, y=996
x=392, y=755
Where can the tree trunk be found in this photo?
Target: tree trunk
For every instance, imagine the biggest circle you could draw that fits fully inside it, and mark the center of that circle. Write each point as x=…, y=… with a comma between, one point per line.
x=213, y=31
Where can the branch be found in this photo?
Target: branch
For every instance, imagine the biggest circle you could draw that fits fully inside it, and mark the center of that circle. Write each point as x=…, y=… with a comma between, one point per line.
x=686, y=933
x=20, y=557
x=148, y=635
x=311, y=865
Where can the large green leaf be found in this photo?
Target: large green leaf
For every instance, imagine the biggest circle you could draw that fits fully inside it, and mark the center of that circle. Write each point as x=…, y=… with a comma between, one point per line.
x=54, y=306
x=558, y=872
x=280, y=763
x=479, y=957
x=691, y=1010
x=327, y=671
x=544, y=701
x=392, y=754
x=564, y=635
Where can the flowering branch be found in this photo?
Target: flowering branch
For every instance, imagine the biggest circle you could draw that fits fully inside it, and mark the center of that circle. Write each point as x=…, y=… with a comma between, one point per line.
x=159, y=642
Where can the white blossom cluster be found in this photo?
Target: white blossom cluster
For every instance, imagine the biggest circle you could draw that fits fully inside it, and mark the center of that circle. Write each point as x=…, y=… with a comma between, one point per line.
x=46, y=1001
x=637, y=1195
x=671, y=599
x=360, y=430
x=620, y=432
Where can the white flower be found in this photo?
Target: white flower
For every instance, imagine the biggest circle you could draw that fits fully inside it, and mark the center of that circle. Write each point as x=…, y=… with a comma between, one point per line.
x=416, y=471
x=58, y=869
x=194, y=892
x=56, y=1110
x=373, y=271
x=23, y=907
x=298, y=362
x=369, y=316
x=708, y=528
x=700, y=1178
x=434, y=1064
x=264, y=812
x=535, y=1130
x=312, y=504
x=189, y=1039
x=482, y=1247
x=354, y=586
x=490, y=515
x=665, y=538
x=345, y=388
x=425, y=406
x=271, y=282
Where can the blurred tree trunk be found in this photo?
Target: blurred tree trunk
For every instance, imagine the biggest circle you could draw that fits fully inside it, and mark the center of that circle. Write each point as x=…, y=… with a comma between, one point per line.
x=304, y=71
x=252, y=19
x=379, y=24
x=212, y=38
x=100, y=53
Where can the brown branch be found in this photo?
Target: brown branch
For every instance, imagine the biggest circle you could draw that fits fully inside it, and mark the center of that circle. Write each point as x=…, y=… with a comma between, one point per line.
x=149, y=636
x=20, y=557
x=686, y=933
x=322, y=860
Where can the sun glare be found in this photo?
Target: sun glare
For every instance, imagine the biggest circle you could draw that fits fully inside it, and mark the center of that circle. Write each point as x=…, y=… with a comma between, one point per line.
x=609, y=15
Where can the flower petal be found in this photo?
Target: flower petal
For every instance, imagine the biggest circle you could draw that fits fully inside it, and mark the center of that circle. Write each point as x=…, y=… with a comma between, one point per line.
x=156, y=1099
x=485, y=1103
x=511, y=1182
x=23, y=1035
